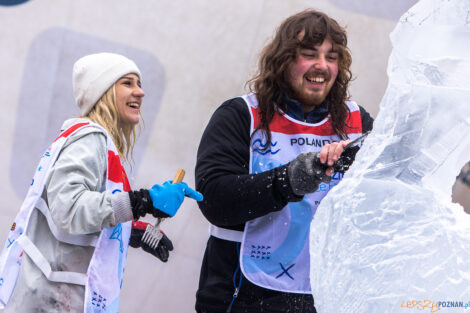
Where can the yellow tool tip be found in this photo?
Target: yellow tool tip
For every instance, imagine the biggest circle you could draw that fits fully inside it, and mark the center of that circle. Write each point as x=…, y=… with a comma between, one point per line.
x=179, y=176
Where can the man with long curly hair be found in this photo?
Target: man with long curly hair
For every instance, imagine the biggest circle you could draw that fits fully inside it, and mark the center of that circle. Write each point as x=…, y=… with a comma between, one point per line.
x=264, y=163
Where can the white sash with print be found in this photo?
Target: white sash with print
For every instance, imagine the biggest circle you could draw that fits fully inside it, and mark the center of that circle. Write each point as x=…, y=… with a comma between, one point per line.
x=103, y=279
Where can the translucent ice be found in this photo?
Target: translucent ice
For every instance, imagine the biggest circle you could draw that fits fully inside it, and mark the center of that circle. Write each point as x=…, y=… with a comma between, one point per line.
x=389, y=232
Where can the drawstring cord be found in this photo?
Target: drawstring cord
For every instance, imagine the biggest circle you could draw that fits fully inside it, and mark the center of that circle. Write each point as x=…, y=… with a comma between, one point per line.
x=237, y=287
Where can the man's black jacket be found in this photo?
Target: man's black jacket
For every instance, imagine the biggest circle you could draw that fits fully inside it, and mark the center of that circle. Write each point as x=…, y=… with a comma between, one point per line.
x=232, y=197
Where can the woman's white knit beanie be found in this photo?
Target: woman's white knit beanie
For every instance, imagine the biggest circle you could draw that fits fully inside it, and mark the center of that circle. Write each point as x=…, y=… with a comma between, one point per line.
x=94, y=74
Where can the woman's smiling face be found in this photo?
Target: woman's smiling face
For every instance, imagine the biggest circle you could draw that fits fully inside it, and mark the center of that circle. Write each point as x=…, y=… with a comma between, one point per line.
x=128, y=99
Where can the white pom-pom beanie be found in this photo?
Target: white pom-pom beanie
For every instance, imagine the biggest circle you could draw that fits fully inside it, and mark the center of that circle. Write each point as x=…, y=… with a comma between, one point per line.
x=94, y=74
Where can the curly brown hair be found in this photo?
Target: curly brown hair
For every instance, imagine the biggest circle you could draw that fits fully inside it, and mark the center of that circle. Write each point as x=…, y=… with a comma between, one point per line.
x=303, y=30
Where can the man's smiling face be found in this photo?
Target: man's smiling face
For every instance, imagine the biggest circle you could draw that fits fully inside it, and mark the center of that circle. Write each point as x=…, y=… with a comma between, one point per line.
x=312, y=74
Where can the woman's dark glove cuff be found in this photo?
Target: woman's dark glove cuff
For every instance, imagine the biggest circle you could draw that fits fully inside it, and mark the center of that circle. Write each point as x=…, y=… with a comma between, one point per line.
x=141, y=204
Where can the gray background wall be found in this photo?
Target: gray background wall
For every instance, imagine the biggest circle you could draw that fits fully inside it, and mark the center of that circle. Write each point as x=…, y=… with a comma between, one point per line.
x=193, y=55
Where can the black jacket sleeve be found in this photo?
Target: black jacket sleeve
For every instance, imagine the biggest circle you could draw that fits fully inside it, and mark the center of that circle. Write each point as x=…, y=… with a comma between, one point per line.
x=367, y=120
x=232, y=196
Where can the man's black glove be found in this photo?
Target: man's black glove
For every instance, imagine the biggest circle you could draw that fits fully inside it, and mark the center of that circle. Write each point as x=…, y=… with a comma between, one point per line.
x=161, y=251
x=346, y=159
x=306, y=172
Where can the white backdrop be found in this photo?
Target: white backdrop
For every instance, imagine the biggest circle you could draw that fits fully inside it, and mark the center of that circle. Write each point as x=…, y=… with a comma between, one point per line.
x=193, y=56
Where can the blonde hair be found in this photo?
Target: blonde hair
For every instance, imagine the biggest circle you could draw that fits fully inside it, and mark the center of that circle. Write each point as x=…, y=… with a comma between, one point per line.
x=105, y=114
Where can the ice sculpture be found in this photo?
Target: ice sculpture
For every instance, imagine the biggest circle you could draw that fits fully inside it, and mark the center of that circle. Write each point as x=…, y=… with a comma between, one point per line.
x=389, y=233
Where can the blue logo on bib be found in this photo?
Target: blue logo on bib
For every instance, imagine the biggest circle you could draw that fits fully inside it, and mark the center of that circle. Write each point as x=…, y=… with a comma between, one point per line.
x=12, y=2
x=258, y=146
x=117, y=234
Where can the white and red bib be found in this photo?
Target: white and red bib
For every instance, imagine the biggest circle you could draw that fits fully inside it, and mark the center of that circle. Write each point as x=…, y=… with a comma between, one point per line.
x=275, y=250
x=103, y=279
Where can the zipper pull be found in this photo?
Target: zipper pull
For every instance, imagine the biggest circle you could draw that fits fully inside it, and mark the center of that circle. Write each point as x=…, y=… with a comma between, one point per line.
x=235, y=295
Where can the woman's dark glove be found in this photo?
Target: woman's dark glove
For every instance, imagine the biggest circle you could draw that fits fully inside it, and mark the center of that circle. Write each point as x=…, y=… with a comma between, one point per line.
x=162, y=248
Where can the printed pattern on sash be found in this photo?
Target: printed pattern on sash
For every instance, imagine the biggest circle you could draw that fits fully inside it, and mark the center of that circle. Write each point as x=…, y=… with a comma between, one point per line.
x=106, y=268
x=275, y=248
x=104, y=276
